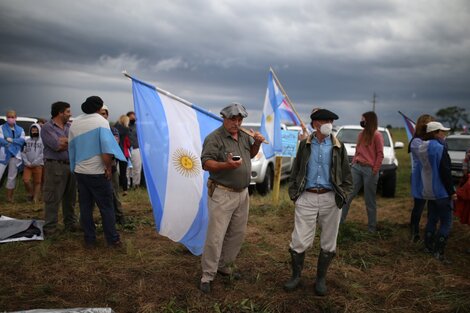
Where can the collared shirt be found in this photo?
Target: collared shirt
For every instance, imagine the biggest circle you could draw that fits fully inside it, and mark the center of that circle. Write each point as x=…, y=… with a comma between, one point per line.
x=319, y=163
x=217, y=146
x=50, y=134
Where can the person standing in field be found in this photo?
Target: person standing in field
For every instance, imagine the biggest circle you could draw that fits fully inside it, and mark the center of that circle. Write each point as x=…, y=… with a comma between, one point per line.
x=319, y=186
x=33, y=160
x=12, y=139
x=365, y=168
x=226, y=154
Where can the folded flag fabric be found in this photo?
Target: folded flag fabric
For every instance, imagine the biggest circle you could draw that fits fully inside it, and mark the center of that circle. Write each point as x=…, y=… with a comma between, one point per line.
x=171, y=132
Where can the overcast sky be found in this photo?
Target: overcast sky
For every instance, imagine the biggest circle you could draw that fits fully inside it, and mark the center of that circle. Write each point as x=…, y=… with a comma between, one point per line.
x=415, y=55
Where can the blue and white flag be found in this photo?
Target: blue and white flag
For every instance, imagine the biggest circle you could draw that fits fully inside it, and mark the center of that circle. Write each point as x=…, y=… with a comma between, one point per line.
x=271, y=119
x=91, y=136
x=171, y=134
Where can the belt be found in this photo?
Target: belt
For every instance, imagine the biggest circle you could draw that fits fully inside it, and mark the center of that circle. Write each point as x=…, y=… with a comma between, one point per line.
x=229, y=189
x=318, y=190
x=57, y=161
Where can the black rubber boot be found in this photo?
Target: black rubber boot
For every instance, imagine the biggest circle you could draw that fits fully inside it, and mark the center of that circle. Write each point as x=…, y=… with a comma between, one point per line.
x=297, y=266
x=429, y=242
x=439, y=249
x=414, y=233
x=324, y=260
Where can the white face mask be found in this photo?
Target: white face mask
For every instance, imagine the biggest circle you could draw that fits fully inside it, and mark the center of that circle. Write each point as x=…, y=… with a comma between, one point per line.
x=326, y=129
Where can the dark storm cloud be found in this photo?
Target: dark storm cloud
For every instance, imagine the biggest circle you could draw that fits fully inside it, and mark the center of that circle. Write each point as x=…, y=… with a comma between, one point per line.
x=413, y=55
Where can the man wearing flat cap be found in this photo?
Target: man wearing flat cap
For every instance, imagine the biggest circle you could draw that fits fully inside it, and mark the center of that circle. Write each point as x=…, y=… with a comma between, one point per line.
x=226, y=154
x=319, y=185
x=91, y=149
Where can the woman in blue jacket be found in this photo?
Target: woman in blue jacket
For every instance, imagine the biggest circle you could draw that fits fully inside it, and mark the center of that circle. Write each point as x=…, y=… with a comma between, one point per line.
x=12, y=140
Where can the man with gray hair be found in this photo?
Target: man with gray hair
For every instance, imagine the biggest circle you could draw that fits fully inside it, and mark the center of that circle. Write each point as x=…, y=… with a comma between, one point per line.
x=226, y=154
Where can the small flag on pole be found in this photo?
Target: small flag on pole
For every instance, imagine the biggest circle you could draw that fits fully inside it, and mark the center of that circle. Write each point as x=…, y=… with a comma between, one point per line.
x=409, y=126
x=171, y=132
x=271, y=119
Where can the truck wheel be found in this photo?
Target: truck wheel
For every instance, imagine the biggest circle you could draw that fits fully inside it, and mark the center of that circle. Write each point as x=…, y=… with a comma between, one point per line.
x=267, y=184
x=389, y=185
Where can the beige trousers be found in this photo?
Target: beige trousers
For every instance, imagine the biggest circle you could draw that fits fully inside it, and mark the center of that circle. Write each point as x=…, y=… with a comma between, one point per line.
x=310, y=208
x=228, y=216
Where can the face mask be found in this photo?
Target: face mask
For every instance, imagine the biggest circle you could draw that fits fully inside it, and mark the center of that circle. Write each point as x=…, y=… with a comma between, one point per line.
x=34, y=135
x=326, y=129
x=11, y=120
x=363, y=124
x=131, y=122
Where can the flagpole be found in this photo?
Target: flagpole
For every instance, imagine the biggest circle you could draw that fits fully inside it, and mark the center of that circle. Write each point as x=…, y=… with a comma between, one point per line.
x=304, y=128
x=185, y=102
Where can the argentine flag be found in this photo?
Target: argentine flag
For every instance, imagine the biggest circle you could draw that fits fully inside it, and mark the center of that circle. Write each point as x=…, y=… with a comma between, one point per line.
x=271, y=119
x=171, y=133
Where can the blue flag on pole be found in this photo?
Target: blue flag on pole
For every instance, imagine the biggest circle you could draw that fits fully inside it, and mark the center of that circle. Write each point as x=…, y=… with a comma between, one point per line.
x=410, y=126
x=271, y=119
x=171, y=133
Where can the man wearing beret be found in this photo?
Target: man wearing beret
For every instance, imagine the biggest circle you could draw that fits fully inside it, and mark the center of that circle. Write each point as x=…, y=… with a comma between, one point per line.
x=91, y=150
x=59, y=181
x=319, y=185
x=227, y=154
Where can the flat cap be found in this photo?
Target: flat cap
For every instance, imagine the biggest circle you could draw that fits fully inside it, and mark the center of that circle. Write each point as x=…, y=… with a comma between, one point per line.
x=323, y=114
x=234, y=109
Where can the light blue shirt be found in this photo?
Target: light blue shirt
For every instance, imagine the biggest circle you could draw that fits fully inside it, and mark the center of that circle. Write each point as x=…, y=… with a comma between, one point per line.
x=318, y=168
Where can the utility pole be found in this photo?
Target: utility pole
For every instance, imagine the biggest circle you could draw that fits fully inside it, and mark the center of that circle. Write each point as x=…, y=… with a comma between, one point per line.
x=374, y=100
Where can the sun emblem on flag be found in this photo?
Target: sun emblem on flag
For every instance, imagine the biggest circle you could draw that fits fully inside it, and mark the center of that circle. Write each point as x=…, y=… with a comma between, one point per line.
x=269, y=118
x=186, y=162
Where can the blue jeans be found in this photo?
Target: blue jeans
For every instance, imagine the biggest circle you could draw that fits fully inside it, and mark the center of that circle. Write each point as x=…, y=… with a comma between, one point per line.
x=416, y=213
x=439, y=211
x=363, y=176
x=91, y=189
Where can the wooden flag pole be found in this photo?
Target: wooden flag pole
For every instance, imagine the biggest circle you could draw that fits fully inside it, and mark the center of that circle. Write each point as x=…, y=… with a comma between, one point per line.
x=277, y=179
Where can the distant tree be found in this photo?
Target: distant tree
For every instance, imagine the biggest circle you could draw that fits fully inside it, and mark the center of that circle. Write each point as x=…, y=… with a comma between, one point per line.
x=453, y=115
x=389, y=126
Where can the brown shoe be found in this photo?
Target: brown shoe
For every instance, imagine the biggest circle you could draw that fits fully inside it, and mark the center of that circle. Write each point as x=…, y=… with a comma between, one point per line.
x=205, y=287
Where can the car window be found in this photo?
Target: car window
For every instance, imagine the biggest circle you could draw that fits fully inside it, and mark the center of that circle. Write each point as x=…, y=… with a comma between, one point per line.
x=350, y=136
x=458, y=144
x=25, y=125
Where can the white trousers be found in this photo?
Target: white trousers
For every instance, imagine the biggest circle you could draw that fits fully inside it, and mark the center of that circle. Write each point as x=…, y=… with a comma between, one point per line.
x=136, y=170
x=310, y=208
x=12, y=172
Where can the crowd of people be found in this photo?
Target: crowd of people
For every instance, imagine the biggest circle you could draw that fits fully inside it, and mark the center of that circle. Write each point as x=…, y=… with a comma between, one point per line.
x=102, y=162
x=95, y=168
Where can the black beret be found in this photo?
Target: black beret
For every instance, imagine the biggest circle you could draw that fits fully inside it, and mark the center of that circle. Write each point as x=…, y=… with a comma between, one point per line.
x=323, y=114
x=92, y=105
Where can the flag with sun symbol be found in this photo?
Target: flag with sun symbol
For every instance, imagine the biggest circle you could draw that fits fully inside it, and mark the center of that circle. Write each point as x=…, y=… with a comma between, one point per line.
x=271, y=118
x=171, y=132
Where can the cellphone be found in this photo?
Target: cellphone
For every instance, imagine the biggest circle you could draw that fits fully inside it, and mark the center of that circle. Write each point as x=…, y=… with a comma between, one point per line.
x=236, y=158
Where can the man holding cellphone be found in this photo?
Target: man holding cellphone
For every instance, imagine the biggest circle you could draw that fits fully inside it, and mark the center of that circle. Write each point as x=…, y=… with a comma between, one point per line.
x=226, y=154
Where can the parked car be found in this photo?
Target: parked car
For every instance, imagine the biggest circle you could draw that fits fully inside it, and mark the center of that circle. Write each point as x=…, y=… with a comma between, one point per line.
x=262, y=169
x=388, y=171
x=457, y=145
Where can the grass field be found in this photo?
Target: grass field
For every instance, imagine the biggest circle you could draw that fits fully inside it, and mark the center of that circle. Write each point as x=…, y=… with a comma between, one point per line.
x=383, y=272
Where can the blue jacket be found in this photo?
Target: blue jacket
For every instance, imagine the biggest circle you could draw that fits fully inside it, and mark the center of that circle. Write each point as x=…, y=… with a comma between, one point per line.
x=433, y=164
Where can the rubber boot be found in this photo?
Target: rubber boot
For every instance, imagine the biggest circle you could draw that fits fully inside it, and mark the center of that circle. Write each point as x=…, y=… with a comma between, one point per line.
x=429, y=242
x=324, y=260
x=439, y=249
x=297, y=266
x=10, y=195
x=414, y=233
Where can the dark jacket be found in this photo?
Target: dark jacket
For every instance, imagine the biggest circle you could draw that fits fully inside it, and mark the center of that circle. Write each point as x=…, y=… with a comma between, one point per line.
x=340, y=171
